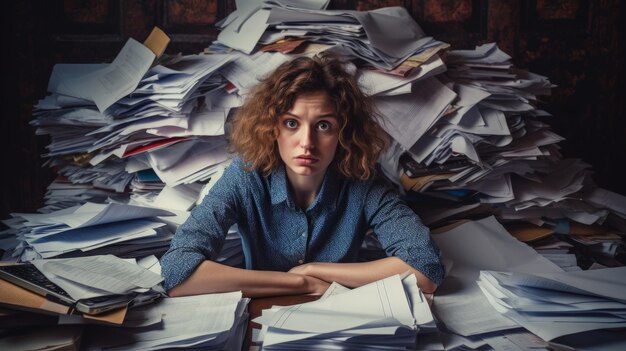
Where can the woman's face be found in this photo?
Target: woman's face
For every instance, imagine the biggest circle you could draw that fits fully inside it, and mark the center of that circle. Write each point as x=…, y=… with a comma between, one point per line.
x=308, y=136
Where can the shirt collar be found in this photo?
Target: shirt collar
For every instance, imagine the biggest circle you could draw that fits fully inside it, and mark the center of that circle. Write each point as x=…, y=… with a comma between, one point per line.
x=278, y=186
x=327, y=197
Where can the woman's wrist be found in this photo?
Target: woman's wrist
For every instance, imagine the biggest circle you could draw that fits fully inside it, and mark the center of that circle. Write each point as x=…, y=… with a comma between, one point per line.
x=304, y=269
x=309, y=269
x=315, y=285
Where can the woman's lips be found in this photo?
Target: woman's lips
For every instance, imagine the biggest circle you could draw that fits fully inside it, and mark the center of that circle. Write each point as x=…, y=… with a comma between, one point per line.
x=305, y=160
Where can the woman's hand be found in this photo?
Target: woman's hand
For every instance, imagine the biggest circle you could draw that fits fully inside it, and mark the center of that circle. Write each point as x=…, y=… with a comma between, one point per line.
x=315, y=286
x=353, y=275
x=212, y=277
x=304, y=269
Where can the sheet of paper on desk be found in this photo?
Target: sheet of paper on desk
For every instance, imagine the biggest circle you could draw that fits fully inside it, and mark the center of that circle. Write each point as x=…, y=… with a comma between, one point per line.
x=150, y=263
x=93, y=214
x=210, y=321
x=459, y=302
x=389, y=311
x=91, y=276
x=393, y=303
x=553, y=305
x=334, y=289
x=605, y=283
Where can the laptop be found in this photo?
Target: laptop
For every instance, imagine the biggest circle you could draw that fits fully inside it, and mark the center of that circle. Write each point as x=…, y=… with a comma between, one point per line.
x=30, y=278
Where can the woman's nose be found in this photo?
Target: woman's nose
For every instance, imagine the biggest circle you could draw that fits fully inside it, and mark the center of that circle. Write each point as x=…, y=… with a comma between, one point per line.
x=306, y=138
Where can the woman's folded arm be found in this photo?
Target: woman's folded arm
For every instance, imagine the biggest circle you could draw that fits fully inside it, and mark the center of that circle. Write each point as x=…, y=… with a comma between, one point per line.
x=356, y=274
x=213, y=277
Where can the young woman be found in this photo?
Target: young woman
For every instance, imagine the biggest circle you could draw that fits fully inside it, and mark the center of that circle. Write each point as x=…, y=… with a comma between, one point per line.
x=303, y=193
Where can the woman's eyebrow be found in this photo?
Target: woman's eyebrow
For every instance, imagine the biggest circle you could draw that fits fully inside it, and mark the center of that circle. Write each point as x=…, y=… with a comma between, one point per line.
x=327, y=115
x=291, y=115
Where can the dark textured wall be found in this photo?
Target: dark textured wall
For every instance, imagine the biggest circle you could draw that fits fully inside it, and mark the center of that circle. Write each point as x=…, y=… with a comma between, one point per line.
x=579, y=45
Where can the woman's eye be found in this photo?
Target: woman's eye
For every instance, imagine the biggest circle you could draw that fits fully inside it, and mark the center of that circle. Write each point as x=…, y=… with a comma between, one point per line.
x=290, y=123
x=323, y=126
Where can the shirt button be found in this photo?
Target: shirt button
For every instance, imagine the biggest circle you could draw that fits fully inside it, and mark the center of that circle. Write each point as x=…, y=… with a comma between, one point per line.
x=301, y=261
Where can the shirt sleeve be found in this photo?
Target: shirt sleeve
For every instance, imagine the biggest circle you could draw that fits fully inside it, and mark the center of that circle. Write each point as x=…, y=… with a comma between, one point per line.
x=401, y=232
x=202, y=235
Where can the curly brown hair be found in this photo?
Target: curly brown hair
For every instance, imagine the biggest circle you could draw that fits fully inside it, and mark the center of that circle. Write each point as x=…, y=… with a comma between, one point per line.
x=255, y=126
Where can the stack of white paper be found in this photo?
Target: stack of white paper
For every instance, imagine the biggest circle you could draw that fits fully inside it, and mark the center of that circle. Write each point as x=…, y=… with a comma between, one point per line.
x=93, y=228
x=164, y=106
x=103, y=275
x=490, y=111
x=459, y=304
x=356, y=34
x=243, y=28
x=161, y=113
x=62, y=193
x=552, y=305
x=390, y=313
x=206, y=322
x=153, y=119
x=480, y=138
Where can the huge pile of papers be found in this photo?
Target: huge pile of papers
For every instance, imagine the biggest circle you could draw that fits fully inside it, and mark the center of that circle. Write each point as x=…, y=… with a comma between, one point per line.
x=466, y=133
x=391, y=313
x=93, y=229
x=206, y=322
x=114, y=143
x=485, y=299
x=356, y=34
x=163, y=142
x=552, y=305
x=486, y=143
x=138, y=142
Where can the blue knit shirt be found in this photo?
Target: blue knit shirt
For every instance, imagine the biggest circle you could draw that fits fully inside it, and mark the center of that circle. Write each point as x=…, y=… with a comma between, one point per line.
x=277, y=235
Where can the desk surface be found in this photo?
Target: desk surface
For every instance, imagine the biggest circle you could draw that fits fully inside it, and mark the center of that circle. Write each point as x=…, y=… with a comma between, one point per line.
x=257, y=305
